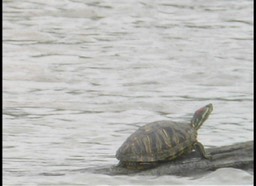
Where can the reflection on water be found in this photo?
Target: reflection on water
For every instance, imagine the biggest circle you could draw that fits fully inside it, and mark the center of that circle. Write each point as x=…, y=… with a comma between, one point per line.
x=78, y=78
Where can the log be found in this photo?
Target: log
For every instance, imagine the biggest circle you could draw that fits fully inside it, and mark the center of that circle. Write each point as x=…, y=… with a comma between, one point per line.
x=239, y=155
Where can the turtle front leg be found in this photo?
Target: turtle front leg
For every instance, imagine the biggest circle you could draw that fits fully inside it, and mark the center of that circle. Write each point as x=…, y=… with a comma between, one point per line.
x=200, y=148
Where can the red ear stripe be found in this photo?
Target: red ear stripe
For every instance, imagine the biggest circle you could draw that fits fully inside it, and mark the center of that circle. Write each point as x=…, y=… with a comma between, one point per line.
x=200, y=111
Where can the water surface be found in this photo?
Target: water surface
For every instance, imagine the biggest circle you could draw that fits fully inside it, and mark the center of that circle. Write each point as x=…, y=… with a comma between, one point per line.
x=79, y=77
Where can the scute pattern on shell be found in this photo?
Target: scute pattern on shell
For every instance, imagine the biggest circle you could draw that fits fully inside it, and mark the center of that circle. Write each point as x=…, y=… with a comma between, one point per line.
x=158, y=141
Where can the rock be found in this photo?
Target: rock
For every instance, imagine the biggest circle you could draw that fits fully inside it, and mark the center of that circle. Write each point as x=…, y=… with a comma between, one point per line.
x=239, y=155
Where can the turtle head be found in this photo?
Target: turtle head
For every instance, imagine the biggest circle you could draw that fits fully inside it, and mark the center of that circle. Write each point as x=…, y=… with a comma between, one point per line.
x=201, y=115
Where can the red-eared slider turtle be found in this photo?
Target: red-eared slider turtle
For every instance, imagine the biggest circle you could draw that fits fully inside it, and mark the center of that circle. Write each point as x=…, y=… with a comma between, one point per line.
x=162, y=141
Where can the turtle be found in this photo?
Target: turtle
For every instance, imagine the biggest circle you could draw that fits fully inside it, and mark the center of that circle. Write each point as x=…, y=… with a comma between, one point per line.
x=162, y=141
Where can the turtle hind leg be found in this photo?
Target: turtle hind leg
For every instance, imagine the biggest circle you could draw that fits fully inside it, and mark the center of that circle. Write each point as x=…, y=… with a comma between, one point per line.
x=200, y=148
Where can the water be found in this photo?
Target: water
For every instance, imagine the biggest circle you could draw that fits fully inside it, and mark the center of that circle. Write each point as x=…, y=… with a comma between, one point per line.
x=79, y=77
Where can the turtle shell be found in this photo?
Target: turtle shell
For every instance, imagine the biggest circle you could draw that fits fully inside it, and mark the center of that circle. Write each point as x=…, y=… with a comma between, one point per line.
x=157, y=141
